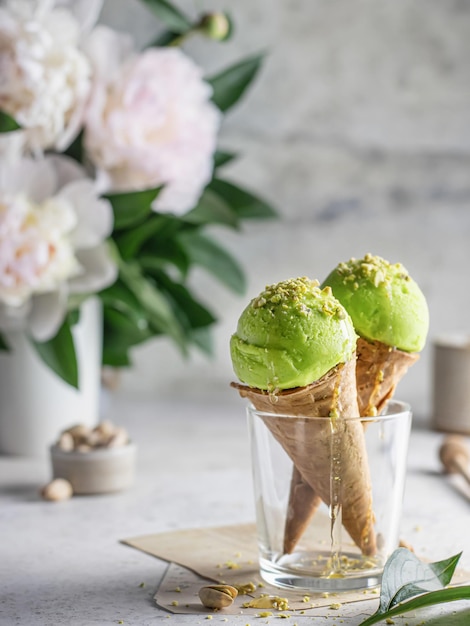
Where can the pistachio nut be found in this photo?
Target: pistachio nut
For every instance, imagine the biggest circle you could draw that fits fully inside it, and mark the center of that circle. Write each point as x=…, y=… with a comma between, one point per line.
x=217, y=596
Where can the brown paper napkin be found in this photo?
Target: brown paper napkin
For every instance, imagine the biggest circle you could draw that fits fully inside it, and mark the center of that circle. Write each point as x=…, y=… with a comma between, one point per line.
x=226, y=554
x=229, y=554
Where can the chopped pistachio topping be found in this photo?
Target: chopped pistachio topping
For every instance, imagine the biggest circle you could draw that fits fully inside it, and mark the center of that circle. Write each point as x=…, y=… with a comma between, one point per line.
x=292, y=292
x=372, y=268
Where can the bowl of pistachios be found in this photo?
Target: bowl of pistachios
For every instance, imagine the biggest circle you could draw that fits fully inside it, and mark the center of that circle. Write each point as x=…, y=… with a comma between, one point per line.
x=94, y=460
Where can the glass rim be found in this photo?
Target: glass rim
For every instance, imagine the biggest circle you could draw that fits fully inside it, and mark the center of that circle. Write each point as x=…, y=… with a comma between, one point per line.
x=402, y=409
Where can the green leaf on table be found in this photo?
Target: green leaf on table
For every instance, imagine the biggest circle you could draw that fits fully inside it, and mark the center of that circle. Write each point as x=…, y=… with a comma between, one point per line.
x=221, y=158
x=131, y=208
x=242, y=202
x=3, y=345
x=206, y=253
x=174, y=19
x=449, y=594
x=59, y=354
x=405, y=577
x=212, y=209
x=229, y=85
x=403, y=568
x=7, y=123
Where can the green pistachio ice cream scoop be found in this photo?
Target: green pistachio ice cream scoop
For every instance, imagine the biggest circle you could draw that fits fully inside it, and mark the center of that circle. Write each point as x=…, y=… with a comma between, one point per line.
x=384, y=302
x=290, y=336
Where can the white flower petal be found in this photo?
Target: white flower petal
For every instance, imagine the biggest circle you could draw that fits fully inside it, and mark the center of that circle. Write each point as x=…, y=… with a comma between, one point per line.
x=47, y=314
x=45, y=76
x=12, y=146
x=67, y=170
x=107, y=50
x=86, y=12
x=95, y=216
x=153, y=123
x=99, y=271
x=37, y=179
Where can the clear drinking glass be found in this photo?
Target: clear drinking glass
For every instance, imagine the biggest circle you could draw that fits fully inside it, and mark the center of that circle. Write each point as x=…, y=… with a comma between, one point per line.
x=298, y=458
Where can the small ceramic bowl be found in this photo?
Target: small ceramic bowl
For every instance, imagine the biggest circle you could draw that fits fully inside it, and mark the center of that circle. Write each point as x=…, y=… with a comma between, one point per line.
x=103, y=470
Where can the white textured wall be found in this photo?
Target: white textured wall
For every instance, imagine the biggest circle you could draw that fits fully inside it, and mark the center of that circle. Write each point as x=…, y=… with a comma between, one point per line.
x=358, y=129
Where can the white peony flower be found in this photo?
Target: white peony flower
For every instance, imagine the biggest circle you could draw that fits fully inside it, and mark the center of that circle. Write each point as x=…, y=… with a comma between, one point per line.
x=52, y=232
x=45, y=78
x=150, y=120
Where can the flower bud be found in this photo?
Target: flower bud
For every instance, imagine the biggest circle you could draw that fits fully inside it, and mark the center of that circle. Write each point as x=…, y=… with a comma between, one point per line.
x=215, y=26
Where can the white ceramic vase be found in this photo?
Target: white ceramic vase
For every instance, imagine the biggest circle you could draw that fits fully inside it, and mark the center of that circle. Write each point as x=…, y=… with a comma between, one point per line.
x=35, y=404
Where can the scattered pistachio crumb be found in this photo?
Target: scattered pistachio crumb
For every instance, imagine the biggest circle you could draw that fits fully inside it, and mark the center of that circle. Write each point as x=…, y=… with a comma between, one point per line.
x=208, y=616
x=232, y=565
x=284, y=615
x=325, y=594
x=120, y=622
x=142, y=585
x=418, y=528
x=335, y=605
x=238, y=555
x=389, y=620
x=374, y=591
x=265, y=614
x=174, y=603
x=306, y=599
x=177, y=589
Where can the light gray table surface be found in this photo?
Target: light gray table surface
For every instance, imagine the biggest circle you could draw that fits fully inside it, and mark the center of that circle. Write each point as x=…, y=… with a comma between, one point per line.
x=62, y=563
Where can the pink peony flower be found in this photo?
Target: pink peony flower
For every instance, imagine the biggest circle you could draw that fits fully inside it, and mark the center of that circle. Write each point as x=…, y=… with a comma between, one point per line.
x=150, y=121
x=45, y=78
x=52, y=232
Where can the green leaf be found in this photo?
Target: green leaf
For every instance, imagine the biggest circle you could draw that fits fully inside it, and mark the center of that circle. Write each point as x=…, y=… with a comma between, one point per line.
x=59, y=354
x=433, y=576
x=208, y=254
x=119, y=336
x=7, y=123
x=211, y=209
x=242, y=202
x=221, y=158
x=158, y=257
x=230, y=85
x=167, y=38
x=156, y=306
x=75, y=150
x=405, y=577
x=133, y=207
x=3, y=345
x=449, y=594
x=174, y=19
x=191, y=312
x=203, y=339
x=120, y=298
x=404, y=568
x=130, y=242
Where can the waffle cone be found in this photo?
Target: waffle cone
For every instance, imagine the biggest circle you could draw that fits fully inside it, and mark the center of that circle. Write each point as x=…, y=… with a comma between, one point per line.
x=321, y=450
x=379, y=369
